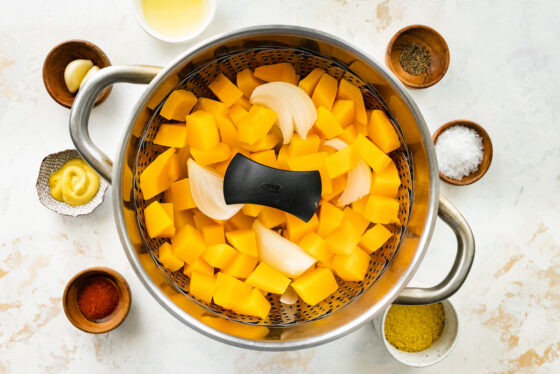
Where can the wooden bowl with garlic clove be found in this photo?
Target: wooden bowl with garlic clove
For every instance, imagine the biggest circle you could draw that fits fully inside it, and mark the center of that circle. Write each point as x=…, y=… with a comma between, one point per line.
x=428, y=38
x=57, y=60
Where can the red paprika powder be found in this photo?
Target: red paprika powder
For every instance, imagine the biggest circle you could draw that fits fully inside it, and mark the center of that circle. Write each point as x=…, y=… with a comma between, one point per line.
x=98, y=298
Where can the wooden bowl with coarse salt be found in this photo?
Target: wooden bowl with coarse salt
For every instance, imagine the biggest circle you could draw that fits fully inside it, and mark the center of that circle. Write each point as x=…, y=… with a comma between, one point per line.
x=486, y=156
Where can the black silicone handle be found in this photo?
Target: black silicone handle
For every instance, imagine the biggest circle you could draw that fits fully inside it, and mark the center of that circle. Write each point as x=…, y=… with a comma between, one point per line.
x=294, y=192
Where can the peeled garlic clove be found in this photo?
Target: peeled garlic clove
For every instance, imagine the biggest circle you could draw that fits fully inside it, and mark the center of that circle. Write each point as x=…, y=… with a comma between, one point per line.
x=75, y=73
x=90, y=72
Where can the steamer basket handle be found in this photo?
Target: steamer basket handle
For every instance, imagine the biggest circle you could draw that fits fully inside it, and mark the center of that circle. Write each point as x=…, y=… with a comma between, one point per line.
x=83, y=104
x=460, y=269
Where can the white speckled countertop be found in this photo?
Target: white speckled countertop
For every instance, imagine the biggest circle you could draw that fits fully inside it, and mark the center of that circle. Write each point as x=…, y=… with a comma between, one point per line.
x=504, y=74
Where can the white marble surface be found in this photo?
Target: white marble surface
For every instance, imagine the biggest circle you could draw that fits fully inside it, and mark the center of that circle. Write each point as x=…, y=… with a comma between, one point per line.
x=504, y=74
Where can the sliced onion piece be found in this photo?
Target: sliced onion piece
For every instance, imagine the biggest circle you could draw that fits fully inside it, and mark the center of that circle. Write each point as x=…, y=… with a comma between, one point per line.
x=289, y=297
x=336, y=143
x=207, y=190
x=358, y=185
x=295, y=102
x=280, y=253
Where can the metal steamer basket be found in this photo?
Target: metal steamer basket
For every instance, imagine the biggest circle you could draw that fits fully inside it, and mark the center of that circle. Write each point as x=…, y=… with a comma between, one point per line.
x=391, y=268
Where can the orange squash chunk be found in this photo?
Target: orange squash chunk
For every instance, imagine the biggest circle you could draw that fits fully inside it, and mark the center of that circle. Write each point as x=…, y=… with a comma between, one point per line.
x=327, y=124
x=158, y=221
x=300, y=147
x=219, y=255
x=178, y=105
x=213, y=234
x=154, y=179
x=229, y=291
x=347, y=91
x=382, y=132
x=171, y=135
x=352, y=267
x=316, y=247
x=181, y=195
x=330, y=218
x=247, y=82
x=343, y=239
x=315, y=286
x=325, y=92
x=202, y=286
x=344, y=111
x=242, y=265
x=371, y=154
x=268, y=279
x=387, y=182
x=198, y=266
x=256, y=124
x=225, y=90
x=296, y=228
x=217, y=108
x=188, y=244
x=255, y=304
x=206, y=157
x=342, y=161
x=202, y=132
x=374, y=238
x=244, y=241
x=271, y=217
x=168, y=258
x=380, y=209
x=283, y=72
x=309, y=83
x=228, y=132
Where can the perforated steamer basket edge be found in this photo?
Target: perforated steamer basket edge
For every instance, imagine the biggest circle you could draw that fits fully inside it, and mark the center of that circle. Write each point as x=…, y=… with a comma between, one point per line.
x=389, y=285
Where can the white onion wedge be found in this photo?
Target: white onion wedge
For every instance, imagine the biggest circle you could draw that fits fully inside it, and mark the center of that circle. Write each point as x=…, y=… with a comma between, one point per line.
x=207, y=190
x=358, y=185
x=336, y=143
x=289, y=297
x=280, y=253
x=287, y=100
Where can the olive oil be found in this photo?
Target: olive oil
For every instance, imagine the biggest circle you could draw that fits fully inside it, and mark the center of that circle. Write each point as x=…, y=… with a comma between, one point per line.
x=175, y=18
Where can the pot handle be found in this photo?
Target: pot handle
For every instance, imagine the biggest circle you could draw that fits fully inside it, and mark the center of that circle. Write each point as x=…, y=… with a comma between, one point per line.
x=83, y=104
x=460, y=269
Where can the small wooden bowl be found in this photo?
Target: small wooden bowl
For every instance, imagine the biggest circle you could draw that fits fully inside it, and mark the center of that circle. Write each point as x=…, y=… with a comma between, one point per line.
x=430, y=39
x=72, y=310
x=62, y=55
x=486, y=159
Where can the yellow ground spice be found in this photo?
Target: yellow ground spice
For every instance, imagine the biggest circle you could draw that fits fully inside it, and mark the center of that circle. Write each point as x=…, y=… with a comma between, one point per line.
x=414, y=328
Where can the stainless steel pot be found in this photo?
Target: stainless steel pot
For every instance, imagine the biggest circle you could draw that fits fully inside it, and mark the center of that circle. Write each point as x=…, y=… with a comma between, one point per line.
x=390, y=287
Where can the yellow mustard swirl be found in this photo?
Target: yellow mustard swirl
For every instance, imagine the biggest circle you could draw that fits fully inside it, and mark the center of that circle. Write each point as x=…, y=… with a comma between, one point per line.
x=75, y=183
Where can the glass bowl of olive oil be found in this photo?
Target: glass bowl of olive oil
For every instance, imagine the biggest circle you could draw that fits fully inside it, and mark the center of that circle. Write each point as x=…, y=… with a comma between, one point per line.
x=174, y=21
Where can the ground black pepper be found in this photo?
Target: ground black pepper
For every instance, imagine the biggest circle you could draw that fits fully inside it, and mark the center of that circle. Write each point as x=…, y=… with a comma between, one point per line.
x=415, y=59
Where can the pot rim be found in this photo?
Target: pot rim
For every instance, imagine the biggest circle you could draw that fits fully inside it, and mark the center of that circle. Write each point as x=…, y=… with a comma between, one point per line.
x=307, y=342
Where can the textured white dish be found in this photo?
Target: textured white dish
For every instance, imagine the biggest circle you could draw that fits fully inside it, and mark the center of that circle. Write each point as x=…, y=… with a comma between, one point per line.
x=437, y=352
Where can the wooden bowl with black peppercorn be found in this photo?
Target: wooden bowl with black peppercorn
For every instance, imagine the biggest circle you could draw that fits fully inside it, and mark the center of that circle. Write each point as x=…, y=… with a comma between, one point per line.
x=96, y=300
x=418, y=55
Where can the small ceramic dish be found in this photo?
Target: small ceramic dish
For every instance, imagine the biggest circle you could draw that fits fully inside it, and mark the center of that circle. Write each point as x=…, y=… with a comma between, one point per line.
x=437, y=352
x=52, y=163
x=486, y=158
x=430, y=39
x=72, y=309
x=141, y=19
x=62, y=55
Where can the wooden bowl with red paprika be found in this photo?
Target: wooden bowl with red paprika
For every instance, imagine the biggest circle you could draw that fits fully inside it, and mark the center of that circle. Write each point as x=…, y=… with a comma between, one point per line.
x=97, y=300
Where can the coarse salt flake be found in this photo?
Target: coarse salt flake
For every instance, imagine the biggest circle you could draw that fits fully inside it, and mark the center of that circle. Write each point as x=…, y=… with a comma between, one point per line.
x=459, y=152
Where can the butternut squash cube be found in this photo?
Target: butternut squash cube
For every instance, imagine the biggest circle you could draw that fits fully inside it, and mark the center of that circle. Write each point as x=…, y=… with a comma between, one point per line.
x=271, y=217
x=344, y=111
x=171, y=135
x=283, y=156
x=216, y=108
x=181, y=195
x=352, y=267
x=182, y=218
x=265, y=144
x=359, y=206
x=173, y=168
x=300, y=147
x=313, y=161
x=225, y=90
x=315, y=286
x=316, y=247
x=206, y=157
x=252, y=210
x=202, y=132
x=342, y=161
x=330, y=218
x=158, y=221
x=382, y=132
x=268, y=279
x=343, y=239
x=347, y=91
x=237, y=113
x=241, y=221
x=228, y=132
x=244, y=241
x=229, y=290
x=219, y=255
x=267, y=158
x=371, y=154
x=178, y=104
x=154, y=179
x=201, y=220
x=254, y=305
x=213, y=234
x=325, y=92
x=338, y=186
x=359, y=223
x=282, y=72
x=168, y=258
x=199, y=266
x=247, y=82
x=349, y=134
x=309, y=83
x=242, y=265
x=202, y=286
x=188, y=244
x=327, y=124
x=244, y=102
x=256, y=125
x=296, y=228
x=380, y=209
x=387, y=182
x=374, y=238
